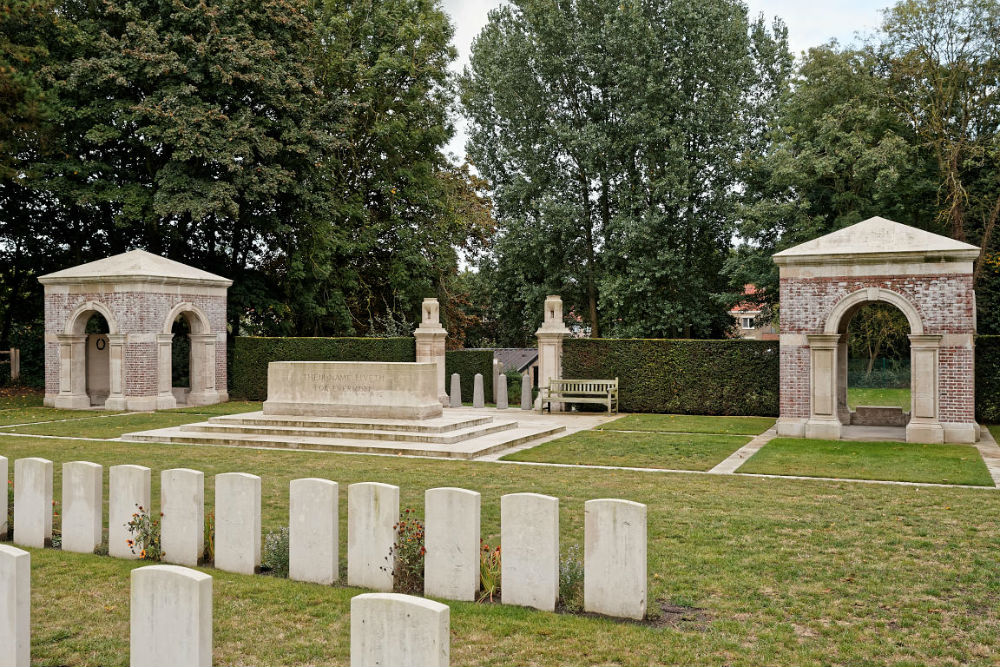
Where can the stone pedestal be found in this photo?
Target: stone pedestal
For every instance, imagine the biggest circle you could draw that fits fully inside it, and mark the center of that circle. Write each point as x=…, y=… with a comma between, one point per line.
x=164, y=354
x=925, y=424
x=431, y=337
x=550, y=344
x=824, y=422
x=72, y=373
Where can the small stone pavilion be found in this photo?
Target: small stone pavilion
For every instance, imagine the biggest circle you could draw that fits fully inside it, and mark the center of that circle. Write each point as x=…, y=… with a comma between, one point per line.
x=824, y=283
x=136, y=297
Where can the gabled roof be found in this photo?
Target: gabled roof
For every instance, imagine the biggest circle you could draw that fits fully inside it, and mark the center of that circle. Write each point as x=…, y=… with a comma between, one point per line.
x=877, y=239
x=518, y=358
x=135, y=265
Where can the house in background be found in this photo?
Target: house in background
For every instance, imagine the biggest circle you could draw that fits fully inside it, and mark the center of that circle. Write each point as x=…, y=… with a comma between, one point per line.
x=748, y=319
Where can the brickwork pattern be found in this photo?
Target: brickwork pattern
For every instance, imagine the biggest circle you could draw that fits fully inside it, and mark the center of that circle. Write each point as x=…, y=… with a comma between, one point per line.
x=945, y=304
x=139, y=315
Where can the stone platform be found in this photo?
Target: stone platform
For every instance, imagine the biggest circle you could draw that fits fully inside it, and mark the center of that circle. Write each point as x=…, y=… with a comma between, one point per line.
x=456, y=434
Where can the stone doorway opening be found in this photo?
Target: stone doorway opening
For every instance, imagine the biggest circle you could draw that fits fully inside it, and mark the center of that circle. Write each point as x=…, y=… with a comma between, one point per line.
x=98, y=360
x=180, y=367
x=875, y=376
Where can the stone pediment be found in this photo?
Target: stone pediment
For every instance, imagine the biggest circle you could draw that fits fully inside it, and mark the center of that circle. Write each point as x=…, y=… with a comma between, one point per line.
x=877, y=239
x=135, y=265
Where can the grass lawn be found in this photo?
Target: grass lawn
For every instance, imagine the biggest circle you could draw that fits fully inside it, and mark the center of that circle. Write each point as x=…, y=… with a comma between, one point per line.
x=690, y=424
x=677, y=451
x=896, y=461
x=892, y=397
x=30, y=415
x=783, y=572
x=19, y=397
x=104, y=426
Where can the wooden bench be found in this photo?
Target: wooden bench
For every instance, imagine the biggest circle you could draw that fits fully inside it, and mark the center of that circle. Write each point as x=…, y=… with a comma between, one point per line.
x=604, y=392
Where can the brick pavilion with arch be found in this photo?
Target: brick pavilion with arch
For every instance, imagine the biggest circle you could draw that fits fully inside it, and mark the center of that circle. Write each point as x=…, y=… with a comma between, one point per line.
x=137, y=297
x=824, y=283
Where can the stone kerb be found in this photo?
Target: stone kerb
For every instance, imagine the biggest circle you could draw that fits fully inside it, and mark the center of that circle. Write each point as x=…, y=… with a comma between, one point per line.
x=171, y=617
x=4, y=528
x=399, y=630
x=82, y=506
x=33, y=502
x=182, y=501
x=451, y=535
x=128, y=490
x=529, y=535
x=614, y=563
x=478, y=399
x=313, y=530
x=526, y=401
x=500, y=392
x=456, y=391
x=372, y=516
x=15, y=607
x=237, y=522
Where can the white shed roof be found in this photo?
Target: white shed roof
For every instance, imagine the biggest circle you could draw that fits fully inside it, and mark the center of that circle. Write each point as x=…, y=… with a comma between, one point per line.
x=135, y=265
x=877, y=238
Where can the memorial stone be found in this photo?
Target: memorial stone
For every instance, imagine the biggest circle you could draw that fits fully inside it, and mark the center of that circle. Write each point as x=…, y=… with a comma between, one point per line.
x=15, y=607
x=33, y=502
x=451, y=535
x=237, y=522
x=128, y=491
x=82, y=506
x=614, y=559
x=171, y=617
x=389, y=629
x=501, y=393
x=478, y=401
x=526, y=399
x=313, y=527
x=372, y=515
x=182, y=529
x=456, y=390
x=529, y=535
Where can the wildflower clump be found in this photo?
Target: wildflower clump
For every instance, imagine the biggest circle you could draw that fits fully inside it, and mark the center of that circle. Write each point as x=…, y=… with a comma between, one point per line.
x=145, y=532
x=406, y=557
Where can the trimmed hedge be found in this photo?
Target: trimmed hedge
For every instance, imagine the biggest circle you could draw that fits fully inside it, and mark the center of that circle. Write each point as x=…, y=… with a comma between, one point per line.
x=467, y=363
x=988, y=379
x=696, y=377
x=248, y=377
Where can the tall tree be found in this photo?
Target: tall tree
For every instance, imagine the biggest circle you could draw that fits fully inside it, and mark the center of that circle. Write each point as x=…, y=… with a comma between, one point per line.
x=611, y=133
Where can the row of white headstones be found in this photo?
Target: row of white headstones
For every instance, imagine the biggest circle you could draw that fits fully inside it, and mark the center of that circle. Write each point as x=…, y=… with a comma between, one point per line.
x=615, y=576
x=170, y=620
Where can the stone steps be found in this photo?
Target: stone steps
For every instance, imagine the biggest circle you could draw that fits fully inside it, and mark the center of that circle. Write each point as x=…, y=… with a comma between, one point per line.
x=434, y=425
x=466, y=449
x=369, y=432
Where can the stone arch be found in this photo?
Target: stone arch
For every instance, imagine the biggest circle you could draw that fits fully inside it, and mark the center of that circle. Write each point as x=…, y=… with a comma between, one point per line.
x=840, y=315
x=76, y=323
x=202, y=360
x=199, y=322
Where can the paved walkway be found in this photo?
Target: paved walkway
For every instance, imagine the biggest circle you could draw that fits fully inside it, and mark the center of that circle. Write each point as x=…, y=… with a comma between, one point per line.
x=739, y=457
x=990, y=452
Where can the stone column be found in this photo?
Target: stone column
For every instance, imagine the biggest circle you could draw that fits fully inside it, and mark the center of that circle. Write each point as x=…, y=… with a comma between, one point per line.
x=550, y=343
x=116, y=397
x=925, y=424
x=202, y=367
x=72, y=373
x=430, y=337
x=843, y=409
x=164, y=357
x=823, y=421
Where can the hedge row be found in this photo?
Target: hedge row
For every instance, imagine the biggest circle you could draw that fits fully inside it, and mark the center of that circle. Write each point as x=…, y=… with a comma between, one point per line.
x=988, y=379
x=698, y=377
x=248, y=372
x=467, y=363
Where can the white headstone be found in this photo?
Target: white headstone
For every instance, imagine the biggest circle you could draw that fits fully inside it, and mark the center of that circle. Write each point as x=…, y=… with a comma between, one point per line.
x=15, y=607
x=477, y=391
x=171, y=617
x=128, y=494
x=456, y=390
x=451, y=536
x=394, y=630
x=372, y=515
x=182, y=501
x=237, y=522
x=82, y=506
x=32, y=502
x=501, y=392
x=4, y=528
x=313, y=531
x=526, y=400
x=614, y=558
x=529, y=536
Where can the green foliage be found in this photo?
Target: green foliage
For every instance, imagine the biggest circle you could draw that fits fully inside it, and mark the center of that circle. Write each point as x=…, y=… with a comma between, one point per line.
x=612, y=133
x=29, y=337
x=467, y=363
x=275, y=552
x=988, y=379
x=407, y=553
x=571, y=579
x=208, y=555
x=706, y=377
x=489, y=572
x=145, y=532
x=251, y=356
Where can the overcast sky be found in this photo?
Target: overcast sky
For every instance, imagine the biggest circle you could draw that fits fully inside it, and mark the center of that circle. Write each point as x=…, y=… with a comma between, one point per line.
x=809, y=24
